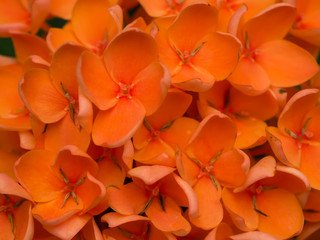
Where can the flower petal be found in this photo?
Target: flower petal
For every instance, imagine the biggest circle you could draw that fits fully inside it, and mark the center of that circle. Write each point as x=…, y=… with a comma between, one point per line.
x=75, y=163
x=26, y=45
x=34, y=173
x=219, y=54
x=251, y=132
x=128, y=54
x=310, y=163
x=70, y=227
x=129, y=199
x=281, y=207
x=231, y=168
x=150, y=174
x=216, y=133
x=170, y=220
x=241, y=209
x=93, y=32
x=151, y=86
x=191, y=25
x=266, y=167
x=284, y=147
x=285, y=63
x=65, y=132
x=113, y=127
x=249, y=77
x=293, y=115
x=96, y=82
x=41, y=97
x=270, y=24
x=63, y=68
x=210, y=207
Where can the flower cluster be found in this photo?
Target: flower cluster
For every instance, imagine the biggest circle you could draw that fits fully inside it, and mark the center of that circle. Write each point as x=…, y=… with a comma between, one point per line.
x=160, y=120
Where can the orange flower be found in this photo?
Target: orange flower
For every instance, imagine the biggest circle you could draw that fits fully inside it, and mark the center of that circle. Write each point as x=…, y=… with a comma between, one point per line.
x=13, y=113
x=15, y=210
x=127, y=85
x=296, y=140
x=227, y=8
x=195, y=54
x=266, y=200
x=64, y=187
x=22, y=16
x=157, y=139
x=307, y=24
x=244, y=110
x=210, y=160
x=53, y=97
x=159, y=193
x=94, y=33
x=266, y=58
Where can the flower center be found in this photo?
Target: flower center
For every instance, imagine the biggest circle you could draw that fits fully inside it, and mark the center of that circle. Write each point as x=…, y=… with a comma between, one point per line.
x=125, y=90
